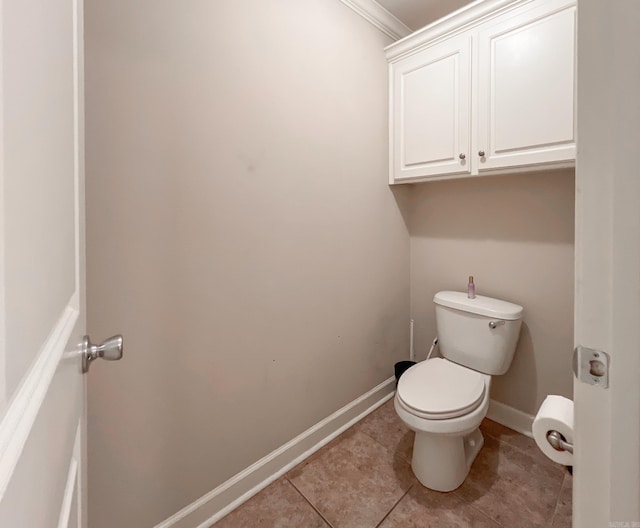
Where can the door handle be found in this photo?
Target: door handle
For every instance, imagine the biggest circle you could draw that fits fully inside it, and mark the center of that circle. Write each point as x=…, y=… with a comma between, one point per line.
x=111, y=350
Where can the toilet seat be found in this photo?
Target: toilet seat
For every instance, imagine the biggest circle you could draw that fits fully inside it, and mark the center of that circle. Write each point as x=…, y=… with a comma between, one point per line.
x=438, y=389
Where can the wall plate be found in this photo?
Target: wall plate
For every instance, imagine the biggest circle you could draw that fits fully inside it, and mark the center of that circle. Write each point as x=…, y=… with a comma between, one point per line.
x=591, y=366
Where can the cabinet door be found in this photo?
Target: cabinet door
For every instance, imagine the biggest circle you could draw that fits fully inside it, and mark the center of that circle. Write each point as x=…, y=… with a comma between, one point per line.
x=526, y=86
x=430, y=100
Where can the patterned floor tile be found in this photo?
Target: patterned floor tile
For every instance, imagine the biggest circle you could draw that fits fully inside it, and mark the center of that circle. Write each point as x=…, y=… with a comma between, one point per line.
x=512, y=486
x=363, y=479
x=277, y=506
x=514, y=439
x=355, y=483
x=386, y=428
x=422, y=508
x=562, y=517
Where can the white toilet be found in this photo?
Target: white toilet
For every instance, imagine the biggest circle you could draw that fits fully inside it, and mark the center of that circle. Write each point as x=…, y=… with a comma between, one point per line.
x=444, y=399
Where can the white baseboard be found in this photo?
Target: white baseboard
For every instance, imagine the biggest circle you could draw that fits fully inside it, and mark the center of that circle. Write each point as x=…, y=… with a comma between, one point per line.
x=230, y=494
x=510, y=417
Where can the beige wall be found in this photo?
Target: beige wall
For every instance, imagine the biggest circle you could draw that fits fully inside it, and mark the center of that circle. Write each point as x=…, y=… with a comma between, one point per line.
x=515, y=234
x=241, y=235
x=416, y=14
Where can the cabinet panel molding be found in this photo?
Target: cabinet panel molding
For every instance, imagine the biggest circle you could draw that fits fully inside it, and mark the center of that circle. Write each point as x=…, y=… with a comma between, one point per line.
x=494, y=94
x=526, y=86
x=429, y=121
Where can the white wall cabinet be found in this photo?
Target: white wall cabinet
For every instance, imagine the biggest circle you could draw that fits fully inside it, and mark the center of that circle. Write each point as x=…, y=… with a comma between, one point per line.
x=487, y=90
x=431, y=102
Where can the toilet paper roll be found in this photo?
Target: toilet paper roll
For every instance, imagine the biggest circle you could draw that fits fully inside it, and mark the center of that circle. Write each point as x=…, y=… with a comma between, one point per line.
x=555, y=414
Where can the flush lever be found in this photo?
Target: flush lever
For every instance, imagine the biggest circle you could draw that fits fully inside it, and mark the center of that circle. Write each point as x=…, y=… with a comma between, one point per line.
x=111, y=350
x=494, y=324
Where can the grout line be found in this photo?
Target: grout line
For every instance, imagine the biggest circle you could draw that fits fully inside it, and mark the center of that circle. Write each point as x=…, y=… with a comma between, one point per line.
x=473, y=506
x=385, y=447
x=555, y=510
x=393, y=507
x=509, y=444
x=394, y=453
x=468, y=502
x=310, y=503
x=501, y=441
x=525, y=452
x=513, y=446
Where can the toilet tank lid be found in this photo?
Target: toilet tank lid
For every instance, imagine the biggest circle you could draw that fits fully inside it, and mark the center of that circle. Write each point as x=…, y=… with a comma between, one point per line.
x=479, y=305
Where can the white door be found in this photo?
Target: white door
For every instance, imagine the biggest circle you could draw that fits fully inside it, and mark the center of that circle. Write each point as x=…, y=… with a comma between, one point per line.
x=430, y=109
x=41, y=265
x=607, y=315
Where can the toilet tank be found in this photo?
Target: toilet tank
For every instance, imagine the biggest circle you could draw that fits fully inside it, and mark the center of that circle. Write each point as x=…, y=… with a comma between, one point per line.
x=480, y=333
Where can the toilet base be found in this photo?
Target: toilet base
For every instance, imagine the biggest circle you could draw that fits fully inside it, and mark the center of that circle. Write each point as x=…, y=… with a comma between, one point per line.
x=442, y=462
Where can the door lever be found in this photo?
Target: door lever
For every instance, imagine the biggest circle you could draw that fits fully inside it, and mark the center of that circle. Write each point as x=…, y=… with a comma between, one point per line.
x=111, y=350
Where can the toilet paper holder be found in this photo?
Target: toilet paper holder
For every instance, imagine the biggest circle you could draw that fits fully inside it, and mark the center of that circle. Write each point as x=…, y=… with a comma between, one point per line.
x=559, y=442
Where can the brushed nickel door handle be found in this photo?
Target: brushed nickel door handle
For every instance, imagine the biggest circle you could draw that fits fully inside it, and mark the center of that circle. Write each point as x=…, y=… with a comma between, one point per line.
x=111, y=350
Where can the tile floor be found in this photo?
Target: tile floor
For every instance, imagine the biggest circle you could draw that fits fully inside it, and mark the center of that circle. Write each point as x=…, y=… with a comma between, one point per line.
x=363, y=479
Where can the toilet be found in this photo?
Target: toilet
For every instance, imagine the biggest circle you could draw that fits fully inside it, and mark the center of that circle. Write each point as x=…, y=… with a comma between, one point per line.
x=444, y=399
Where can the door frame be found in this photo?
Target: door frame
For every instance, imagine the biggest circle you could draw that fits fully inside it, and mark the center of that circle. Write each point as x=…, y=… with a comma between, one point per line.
x=607, y=285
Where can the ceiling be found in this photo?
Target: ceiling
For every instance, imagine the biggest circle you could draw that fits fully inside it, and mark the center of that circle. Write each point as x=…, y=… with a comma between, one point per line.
x=418, y=13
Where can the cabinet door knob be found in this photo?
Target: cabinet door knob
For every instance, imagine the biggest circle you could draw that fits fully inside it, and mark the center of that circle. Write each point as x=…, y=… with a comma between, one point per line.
x=481, y=153
x=462, y=156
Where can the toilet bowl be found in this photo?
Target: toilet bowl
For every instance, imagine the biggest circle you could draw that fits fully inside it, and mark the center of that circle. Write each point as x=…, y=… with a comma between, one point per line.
x=444, y=399
x=445, y=446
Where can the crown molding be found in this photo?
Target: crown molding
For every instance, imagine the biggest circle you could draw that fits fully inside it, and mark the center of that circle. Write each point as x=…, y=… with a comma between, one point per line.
x=377, y=15
x=470, y=15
